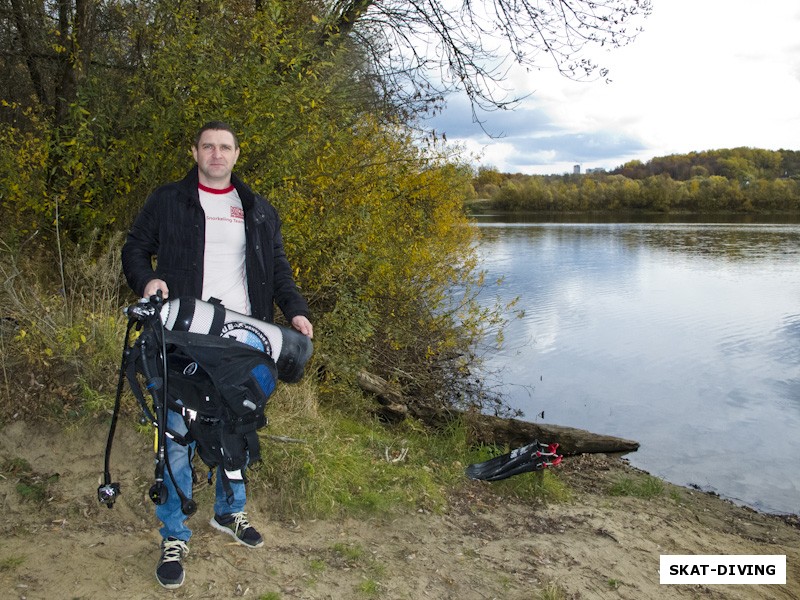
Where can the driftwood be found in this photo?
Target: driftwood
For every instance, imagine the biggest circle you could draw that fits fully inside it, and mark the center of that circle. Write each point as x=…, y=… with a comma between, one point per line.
x=488, y=429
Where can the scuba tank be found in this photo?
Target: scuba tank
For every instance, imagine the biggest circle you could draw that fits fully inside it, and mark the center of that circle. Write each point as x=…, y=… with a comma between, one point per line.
x=289, y=349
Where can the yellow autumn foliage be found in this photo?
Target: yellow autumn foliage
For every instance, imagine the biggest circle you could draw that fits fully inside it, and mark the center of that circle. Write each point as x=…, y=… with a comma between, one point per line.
x=373, y=216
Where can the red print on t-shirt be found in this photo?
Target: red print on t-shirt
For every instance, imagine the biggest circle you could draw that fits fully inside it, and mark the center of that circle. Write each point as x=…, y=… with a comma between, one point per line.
x=237, y=213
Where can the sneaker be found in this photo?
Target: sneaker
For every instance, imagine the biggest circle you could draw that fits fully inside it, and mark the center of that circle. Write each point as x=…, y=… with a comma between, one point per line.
x=170, y=569
x=236, y=525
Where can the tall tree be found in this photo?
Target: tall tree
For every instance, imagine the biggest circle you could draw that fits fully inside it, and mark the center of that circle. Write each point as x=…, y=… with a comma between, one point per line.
x=53, y=40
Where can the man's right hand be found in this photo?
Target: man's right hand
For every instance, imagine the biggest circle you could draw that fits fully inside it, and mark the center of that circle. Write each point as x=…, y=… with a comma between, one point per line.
x=153, y=286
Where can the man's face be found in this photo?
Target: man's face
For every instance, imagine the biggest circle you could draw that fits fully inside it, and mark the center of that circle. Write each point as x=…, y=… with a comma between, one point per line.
x=216, y=154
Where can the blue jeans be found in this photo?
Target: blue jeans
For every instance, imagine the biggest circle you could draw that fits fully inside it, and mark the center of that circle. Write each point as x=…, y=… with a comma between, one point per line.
x=169, y=513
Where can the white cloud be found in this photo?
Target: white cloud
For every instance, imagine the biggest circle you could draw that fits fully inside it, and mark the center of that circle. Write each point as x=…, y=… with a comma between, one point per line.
x=704, y=74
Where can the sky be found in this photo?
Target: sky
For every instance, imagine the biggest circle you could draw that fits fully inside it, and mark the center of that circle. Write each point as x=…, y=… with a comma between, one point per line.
x=703, y=75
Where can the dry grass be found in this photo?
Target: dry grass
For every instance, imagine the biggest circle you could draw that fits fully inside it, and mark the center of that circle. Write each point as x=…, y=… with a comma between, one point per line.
x=61, y=327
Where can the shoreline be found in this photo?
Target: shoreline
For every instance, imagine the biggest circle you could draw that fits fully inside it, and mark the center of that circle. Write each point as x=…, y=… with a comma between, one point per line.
x=696, y=488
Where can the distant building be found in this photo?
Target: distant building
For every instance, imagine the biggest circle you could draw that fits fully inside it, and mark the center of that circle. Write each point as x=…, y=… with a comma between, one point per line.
x=576, y=170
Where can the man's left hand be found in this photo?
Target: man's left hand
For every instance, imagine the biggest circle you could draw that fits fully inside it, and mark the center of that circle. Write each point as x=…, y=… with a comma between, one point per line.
x=303, y=325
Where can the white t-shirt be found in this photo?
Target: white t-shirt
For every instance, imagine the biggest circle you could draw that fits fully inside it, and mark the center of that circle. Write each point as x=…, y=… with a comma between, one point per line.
x=224, y=273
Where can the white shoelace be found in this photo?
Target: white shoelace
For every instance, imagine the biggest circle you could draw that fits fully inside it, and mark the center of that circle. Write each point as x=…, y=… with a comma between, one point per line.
x=240, y=522
x=174, y=550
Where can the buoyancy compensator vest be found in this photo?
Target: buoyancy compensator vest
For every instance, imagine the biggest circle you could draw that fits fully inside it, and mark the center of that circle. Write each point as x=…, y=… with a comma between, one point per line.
x=221, y=386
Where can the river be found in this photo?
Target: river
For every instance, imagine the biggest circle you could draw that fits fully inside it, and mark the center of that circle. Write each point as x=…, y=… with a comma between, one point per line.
x=682, y=336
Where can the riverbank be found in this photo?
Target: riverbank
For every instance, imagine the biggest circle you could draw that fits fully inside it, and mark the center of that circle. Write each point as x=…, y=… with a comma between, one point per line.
x=592, y=545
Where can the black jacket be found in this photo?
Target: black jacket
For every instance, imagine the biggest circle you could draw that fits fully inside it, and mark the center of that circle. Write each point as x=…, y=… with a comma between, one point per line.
x=171, y=227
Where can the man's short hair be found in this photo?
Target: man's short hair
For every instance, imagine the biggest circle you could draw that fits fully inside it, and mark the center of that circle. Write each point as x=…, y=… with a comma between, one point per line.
x=215, y=125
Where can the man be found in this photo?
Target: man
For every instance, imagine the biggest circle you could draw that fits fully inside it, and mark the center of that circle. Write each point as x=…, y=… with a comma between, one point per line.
x=213, y=238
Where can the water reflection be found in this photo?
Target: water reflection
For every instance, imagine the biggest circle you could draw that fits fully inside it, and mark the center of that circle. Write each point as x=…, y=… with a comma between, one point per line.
x=683, y=337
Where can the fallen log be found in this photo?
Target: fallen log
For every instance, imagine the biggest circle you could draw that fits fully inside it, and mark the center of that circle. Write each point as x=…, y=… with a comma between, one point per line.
x=489, y=429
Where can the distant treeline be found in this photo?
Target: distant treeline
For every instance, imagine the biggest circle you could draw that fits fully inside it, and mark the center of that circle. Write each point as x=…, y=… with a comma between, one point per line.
x=738, y=179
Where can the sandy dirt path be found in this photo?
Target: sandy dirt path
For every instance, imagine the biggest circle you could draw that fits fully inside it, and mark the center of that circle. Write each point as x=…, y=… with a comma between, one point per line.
x=594, y=546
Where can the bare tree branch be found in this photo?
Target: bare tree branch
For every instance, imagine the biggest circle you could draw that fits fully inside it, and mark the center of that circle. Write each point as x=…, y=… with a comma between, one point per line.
x=424, y=49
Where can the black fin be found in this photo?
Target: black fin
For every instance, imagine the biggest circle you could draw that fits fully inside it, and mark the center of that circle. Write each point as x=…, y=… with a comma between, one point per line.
x=533, y=457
